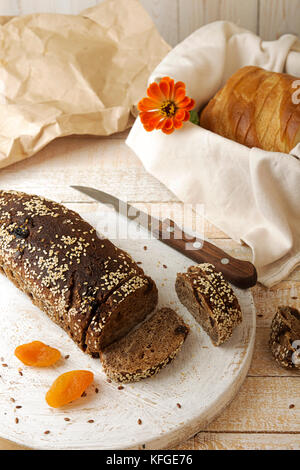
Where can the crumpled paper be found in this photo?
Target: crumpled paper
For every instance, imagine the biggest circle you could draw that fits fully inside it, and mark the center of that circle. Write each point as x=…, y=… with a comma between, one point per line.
x=65, y=74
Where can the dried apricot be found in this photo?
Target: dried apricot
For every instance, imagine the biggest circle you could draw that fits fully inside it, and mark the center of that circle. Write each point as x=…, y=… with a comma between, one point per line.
x=37, y=354
x=68, y=387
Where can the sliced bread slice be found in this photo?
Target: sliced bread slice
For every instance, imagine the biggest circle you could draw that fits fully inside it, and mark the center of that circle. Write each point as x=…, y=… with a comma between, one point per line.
x=211, y=300
x=147, y=349
x=285, y=337
x=126, y=308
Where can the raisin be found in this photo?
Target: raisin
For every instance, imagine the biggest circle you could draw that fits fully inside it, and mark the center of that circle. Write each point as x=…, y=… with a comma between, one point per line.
x=181, y=330
x=37, y=354
x=68, y=387
x=21, y=232
x=94, y=305
x=90, y=292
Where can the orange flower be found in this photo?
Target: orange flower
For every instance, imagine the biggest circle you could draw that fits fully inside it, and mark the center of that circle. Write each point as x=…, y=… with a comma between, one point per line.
x=166, y=106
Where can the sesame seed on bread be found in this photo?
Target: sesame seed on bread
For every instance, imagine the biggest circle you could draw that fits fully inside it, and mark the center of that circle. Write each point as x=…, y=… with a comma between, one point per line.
x=211, y=300
x=285, y=337
x=59, y=261
x=146, y=349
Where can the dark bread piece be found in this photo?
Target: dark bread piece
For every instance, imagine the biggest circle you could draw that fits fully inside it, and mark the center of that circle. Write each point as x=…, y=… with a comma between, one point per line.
x=57, y=258
x=210, y=299
x=119, y=306
x=146, y=349
x=285, y=337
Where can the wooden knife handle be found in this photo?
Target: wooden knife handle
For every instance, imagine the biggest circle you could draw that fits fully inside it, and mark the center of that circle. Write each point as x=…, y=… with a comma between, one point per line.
x=240, y=273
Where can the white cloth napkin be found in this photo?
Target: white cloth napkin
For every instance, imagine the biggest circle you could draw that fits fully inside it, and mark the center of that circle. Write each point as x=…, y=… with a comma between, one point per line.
x=250, y=194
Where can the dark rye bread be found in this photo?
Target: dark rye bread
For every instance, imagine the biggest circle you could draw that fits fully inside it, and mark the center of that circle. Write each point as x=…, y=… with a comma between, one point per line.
x=120, y=301
x=56, y=257
x=210, y=299
x=285, y=337
x=146, y=349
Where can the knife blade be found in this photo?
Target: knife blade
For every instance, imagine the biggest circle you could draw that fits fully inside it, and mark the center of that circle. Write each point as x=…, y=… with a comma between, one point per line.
x=240, y=273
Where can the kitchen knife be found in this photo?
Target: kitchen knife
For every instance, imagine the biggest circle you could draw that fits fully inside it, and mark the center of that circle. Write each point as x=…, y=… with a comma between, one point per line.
x=240, y=273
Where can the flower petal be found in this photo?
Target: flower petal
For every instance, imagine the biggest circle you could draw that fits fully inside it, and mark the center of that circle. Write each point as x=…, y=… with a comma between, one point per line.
x=187, y=104
x=180, y=115
x=168, y=131
x=155, y=92
x=168, y=124
x=155, y=120
x=165, y=89
x=177, y=124
x=178, y=85
x=150, y=120
x=187, y=116
x=179, y=95
x=161, y=123
x=171, y=83
x=145, y=117
x=147, y=104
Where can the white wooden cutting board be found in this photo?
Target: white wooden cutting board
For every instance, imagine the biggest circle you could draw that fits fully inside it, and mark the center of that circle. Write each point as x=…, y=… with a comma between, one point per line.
x=202, y=380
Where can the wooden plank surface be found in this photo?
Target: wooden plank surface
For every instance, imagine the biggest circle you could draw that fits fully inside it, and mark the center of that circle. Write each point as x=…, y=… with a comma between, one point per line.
x=176, y=19
x=222, y=441
x=277, y=17
x=194, y=13
x=165, y=16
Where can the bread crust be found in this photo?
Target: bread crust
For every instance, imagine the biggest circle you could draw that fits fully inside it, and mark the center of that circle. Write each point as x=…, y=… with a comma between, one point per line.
x=211, y=300
x=256, y=109
x=57, y=258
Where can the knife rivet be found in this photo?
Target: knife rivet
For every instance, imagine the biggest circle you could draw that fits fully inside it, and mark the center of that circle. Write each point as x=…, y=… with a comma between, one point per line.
x=197, y=245
x=224, y=260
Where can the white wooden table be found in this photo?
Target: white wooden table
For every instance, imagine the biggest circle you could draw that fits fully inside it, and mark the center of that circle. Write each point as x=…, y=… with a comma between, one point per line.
x=262, y=415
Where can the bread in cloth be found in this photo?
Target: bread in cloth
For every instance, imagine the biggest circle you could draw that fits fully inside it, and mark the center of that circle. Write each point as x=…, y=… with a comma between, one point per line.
x=256, y=108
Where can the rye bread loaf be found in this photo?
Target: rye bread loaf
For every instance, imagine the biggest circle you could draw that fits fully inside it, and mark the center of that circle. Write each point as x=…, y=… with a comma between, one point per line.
x=210, y=299
x=285, y=337
x=146, y=349
x=57, y=258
